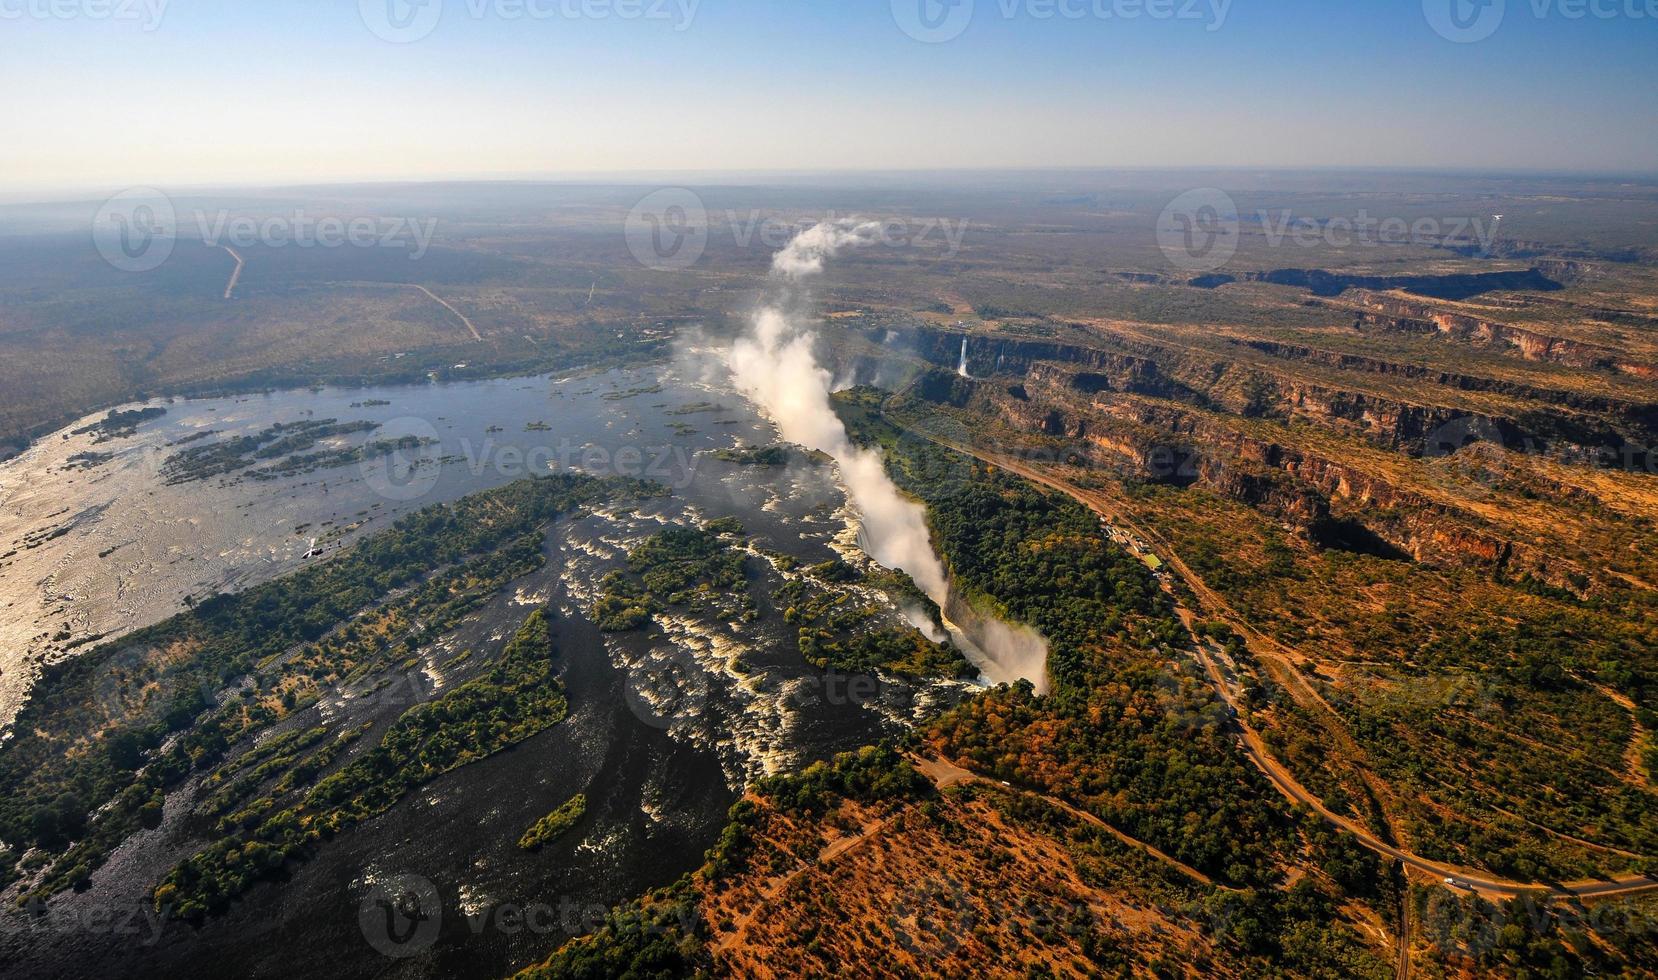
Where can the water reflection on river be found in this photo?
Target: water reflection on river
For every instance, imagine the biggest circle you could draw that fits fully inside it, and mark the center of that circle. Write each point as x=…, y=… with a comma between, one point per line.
x=666, y=726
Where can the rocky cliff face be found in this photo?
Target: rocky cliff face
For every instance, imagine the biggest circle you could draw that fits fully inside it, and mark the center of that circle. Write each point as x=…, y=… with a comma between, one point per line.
x=1186, y=446
x=1563, y=423
x=1264, y=426
x=1125, y=371
x=1643, y=415
x=1292, y=486
x=1398, y=313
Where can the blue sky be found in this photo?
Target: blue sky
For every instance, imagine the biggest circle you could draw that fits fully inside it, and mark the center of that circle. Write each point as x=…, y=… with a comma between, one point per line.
x=233, y=91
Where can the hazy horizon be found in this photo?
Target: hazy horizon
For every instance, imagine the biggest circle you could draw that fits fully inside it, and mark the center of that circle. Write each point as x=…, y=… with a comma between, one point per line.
x=71, y=194
x=338, y=92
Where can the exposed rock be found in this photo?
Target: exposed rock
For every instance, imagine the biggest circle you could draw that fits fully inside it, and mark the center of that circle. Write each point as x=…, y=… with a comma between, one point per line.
x=1401, y=314
x=1205, y=379
x=1296, y=488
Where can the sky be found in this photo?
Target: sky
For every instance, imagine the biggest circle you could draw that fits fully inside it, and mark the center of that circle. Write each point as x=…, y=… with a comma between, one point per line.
x=105, y=93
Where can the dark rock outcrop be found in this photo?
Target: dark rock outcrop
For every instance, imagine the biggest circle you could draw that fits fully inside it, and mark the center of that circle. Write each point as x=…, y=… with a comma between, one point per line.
x=1457, y=286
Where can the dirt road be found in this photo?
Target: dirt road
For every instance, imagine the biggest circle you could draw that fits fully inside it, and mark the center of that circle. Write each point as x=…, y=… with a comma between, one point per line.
x=1457, y=879
x=458, y=314
x=236, y=274
x=944, y=773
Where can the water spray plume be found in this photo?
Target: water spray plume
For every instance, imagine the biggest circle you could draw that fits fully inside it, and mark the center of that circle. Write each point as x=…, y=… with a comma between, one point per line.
x=775, y=365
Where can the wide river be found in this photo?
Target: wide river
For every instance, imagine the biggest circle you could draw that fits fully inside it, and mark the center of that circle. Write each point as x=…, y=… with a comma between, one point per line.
x=665, y=728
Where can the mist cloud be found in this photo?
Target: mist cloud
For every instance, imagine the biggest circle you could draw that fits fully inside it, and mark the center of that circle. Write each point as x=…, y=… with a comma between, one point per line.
x=808, y=251
x=775, y=365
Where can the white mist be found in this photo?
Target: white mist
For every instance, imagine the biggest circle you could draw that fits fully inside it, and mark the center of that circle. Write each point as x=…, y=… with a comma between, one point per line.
x=776, y=367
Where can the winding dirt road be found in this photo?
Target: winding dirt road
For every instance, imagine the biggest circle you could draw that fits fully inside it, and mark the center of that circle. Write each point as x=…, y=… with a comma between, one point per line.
x=1456, y=879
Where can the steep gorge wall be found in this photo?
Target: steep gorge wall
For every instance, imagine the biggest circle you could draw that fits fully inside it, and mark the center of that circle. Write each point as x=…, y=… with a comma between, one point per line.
x=1400, y=314
x=1565, y=425
x=1292, y=486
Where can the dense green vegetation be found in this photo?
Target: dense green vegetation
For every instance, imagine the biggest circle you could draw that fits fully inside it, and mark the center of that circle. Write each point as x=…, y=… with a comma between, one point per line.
x=1525, y=937
x=553, y=825
x=1130, y=732
x=284, y=439
x=88, y=735
x=1495, y=709
x=754, y=455
x=873, y=774
x=691, y=568
x=516, y=698
x=659, y=937
x=118, y=424
x=840, y=629
x=242, y=808
x=324, y=459
x=1291, y=930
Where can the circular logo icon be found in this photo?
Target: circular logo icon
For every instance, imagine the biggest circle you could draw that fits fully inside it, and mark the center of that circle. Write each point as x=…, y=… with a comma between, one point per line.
x=1464, y=21
x=135, y=230
x=933, y=21
x=401, y=21
x=1198, y=231
x=668, y=230
x=1467, y=454
x=401, y=460
x=401, y=918
x=664, y=689
x=932, y=918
